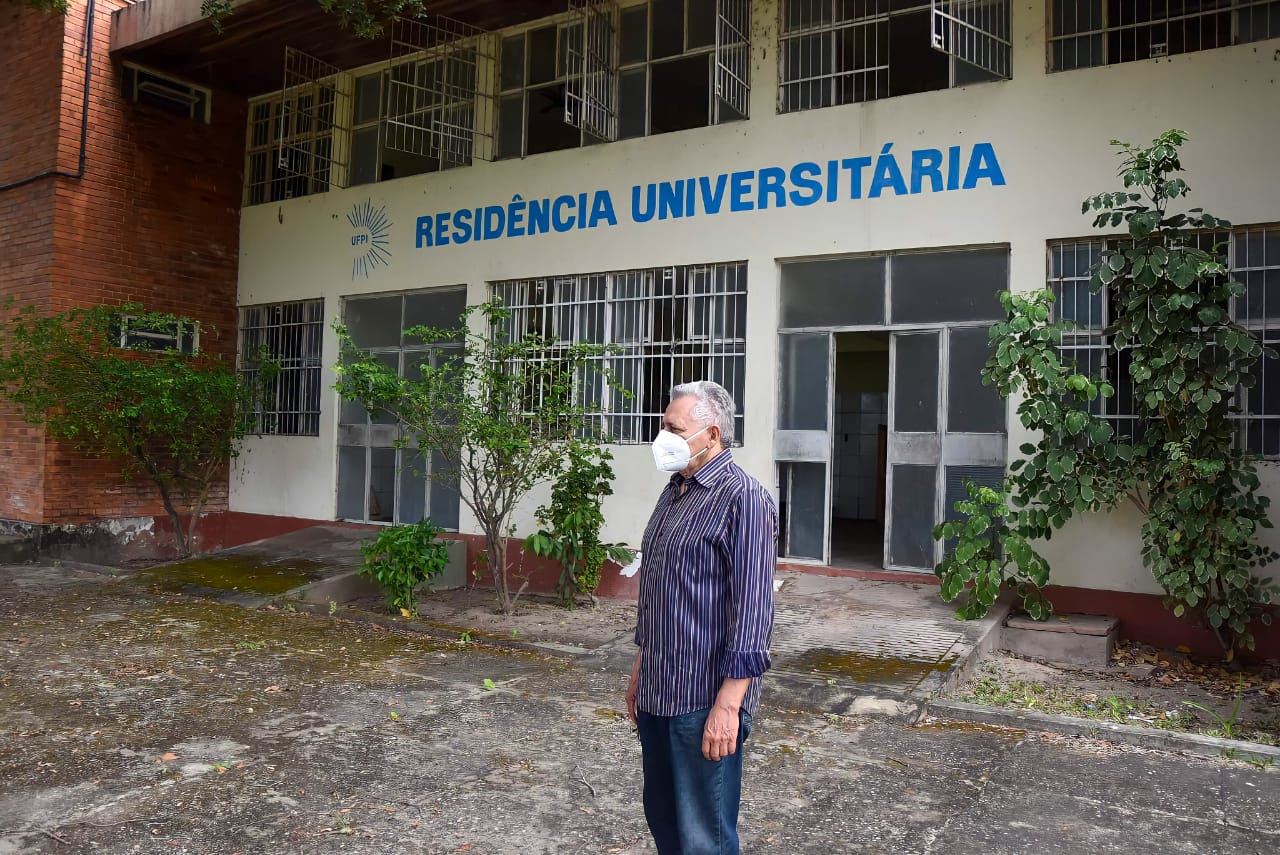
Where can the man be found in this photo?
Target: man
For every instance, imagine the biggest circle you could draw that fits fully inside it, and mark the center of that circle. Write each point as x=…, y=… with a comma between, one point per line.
x=704, y=625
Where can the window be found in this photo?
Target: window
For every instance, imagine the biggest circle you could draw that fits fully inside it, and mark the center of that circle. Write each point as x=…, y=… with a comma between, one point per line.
x=144, y=86
x=177, y=335
x=682, y=64
x=1253, y=254
x=378, y=481
x=846, y=51
x=290, y=336
x=671, y=324
x=1088, y=33
x=290, y=147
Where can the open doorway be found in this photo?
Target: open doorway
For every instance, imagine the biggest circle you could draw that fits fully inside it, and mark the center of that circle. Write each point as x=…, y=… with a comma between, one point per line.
x=860, y=421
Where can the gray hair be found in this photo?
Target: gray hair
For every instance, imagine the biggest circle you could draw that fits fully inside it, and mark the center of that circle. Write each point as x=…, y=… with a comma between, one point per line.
x=714, y=406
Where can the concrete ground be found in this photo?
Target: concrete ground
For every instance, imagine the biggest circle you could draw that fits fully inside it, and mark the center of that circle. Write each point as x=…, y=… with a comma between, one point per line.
x=138, y=720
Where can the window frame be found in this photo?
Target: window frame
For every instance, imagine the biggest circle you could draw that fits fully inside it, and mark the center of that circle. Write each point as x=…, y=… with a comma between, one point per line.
x=301, y=381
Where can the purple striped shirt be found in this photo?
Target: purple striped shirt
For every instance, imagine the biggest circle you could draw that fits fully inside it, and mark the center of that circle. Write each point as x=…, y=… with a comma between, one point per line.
x=706, y=589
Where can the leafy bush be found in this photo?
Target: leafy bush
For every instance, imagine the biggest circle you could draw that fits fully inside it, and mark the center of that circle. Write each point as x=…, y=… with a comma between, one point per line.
x=402, y=557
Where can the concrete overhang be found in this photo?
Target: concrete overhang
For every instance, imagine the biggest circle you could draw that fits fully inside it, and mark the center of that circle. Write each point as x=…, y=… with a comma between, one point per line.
x=247, y=56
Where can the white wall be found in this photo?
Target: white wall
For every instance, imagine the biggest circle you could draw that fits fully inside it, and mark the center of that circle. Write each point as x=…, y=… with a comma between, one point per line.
x=1050, y=132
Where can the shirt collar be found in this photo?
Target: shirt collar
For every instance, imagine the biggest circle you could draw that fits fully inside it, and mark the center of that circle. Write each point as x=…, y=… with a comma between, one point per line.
x=709, y=473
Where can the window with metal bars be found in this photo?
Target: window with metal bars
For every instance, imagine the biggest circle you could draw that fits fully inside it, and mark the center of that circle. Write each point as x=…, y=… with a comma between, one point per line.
x=846, y=51
x=681, y=64
x=1089, y=33
x=303, y=164
x=289, y=337
x=1253, y=255
x=669, y=325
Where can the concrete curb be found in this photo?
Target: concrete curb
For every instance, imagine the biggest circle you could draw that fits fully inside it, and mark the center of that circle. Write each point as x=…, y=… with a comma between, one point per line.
x=1142, y=737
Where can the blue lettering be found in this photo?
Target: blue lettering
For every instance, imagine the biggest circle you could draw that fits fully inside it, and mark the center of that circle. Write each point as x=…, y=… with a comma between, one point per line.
x=802, y=176
x=424, y=232
x=833, y=179
x=771, y=180
x=926, y=162
x=643, y=214
x=740, y=192
x=953, y=168
x=602, y=209
x=712, y=199
x=515, y=217
x=539, y=216
x=560, y=224
x=855, y=165
x=582, y=210
x=462, y=226
x=495, y=218
x=887, y=174
x=983, y=164
x=671, y=199
x=442, y=228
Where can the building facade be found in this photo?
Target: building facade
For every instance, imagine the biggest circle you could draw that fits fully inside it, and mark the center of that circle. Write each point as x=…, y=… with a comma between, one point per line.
x=813, y=202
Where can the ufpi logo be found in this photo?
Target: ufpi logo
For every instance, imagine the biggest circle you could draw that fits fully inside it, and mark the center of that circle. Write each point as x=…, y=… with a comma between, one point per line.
x=370, y=238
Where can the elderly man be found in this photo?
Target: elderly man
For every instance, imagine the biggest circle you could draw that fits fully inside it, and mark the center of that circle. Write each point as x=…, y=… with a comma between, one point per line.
x=705, y=621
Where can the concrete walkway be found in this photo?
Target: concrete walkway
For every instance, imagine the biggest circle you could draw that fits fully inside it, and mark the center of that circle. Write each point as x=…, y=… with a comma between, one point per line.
x=137, y=721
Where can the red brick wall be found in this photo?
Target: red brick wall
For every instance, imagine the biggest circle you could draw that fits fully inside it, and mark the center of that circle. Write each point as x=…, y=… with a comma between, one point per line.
x=155, y=220
x=28, y=146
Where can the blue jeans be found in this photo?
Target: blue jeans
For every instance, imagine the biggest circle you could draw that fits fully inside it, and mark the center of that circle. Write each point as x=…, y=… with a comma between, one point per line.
x=691, y=802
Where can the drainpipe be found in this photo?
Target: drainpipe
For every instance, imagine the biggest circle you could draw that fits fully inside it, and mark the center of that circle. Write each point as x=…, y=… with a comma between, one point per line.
x=87, y=52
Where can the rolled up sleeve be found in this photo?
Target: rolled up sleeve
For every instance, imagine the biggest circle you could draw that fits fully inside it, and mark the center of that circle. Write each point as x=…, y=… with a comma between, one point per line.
x=753, y=540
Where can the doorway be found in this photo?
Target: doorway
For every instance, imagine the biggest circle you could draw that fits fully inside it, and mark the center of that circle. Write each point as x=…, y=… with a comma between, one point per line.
x=860, y=422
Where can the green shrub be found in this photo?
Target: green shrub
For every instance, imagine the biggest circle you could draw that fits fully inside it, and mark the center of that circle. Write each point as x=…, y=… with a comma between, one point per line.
x=402, y=557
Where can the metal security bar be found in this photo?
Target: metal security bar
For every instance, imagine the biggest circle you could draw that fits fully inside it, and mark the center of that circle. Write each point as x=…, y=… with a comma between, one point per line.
x=1089, y=33
x=833, y=52
x=974, y=31
x=308, y=125
x=670, y=325
x=433, y=91
x=1253, y=254
x=290, y=336
x=591, y=81
x=732, y=60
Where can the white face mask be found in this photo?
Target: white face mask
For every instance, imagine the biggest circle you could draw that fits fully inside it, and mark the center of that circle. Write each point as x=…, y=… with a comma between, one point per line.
x=671, y=452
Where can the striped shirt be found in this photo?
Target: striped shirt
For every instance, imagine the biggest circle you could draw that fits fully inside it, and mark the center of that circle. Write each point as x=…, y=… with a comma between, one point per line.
x=706, y=589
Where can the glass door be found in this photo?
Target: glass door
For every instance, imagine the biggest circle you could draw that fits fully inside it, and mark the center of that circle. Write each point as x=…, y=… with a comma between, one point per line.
x=802, y=443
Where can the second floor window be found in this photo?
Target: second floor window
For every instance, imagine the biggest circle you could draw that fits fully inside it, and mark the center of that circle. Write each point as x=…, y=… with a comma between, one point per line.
x=1088, y=33
x=846, y=51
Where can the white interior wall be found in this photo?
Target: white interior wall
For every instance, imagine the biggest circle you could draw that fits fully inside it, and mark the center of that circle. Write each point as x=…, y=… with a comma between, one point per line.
x=1050, y=132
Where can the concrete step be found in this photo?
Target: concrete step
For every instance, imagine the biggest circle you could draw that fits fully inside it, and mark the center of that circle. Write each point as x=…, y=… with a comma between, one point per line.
x=16, y=550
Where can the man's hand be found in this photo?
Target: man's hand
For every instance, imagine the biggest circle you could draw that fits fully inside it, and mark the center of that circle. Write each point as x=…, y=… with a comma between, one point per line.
x=632, y=686
x=720, y=736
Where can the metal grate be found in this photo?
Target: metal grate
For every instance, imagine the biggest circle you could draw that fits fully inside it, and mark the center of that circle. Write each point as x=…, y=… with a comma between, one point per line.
x=833, y=52
x=290, y=335
x=974, y=31
x=733, y=59
x=591, y=85
x=1254, y=258
x=670, y=324
x=437, y=75
x=308, y=117
x=1089, y=33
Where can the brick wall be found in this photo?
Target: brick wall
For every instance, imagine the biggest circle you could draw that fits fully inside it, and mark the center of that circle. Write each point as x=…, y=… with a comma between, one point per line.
x=28, y=146
x=155, y=220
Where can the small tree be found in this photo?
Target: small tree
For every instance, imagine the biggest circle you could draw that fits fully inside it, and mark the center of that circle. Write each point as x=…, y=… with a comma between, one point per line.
x=366, y=18
x=1180, y=468
x=499, y=414
x=174, y=417
x=571, y=522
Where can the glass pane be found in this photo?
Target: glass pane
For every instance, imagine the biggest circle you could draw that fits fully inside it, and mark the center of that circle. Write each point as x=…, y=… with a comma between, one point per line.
x=983, y=476
x=681, y=94
x=364, y=156
x=368, y=100
x=444, y=495
x=633, y=92
x=542, y=55
x=513, y=62
x=352, y=413
x=806, y=509
x=635, y=35
x=805, y=366
x=972, y=406
x=911, y=516
x=374, y=322
x=351, y=483
x=382, y=484
x=511, y=126
x=702, y=24
x=915, y=390
x=839, y=292
x=668, y=28
x=413, y=492
x=441, y=309
x=392, y=362
x=936, y=287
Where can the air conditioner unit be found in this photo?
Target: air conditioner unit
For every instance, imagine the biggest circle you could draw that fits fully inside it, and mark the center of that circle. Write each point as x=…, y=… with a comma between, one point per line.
x=145, y=86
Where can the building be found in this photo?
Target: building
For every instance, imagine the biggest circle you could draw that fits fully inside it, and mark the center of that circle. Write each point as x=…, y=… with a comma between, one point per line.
x=813, y=202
